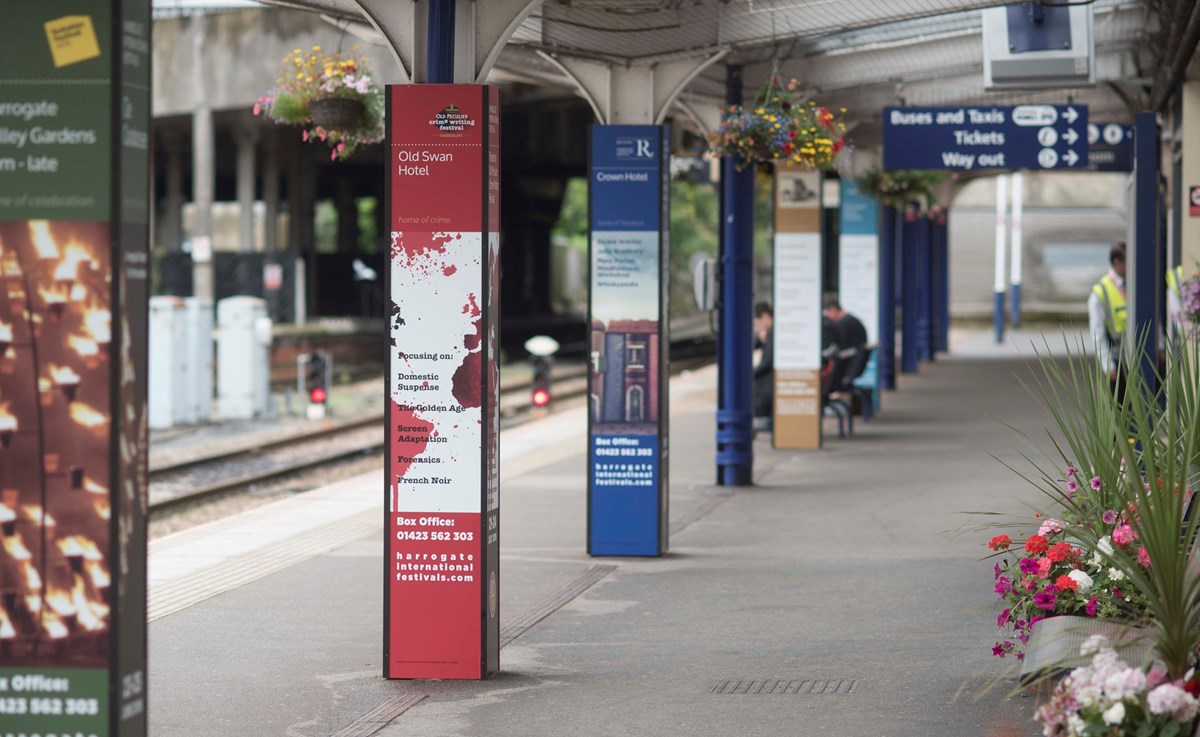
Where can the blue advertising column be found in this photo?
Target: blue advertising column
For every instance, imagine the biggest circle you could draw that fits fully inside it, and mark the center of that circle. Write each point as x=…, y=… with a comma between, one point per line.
x=1148, y=271
x=910, y=354
x=627, y=319
x=889, y=220
x=859, y=273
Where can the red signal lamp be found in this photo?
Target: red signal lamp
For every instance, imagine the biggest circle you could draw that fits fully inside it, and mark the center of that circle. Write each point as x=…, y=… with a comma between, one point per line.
x=541, y=398
x=318, y=396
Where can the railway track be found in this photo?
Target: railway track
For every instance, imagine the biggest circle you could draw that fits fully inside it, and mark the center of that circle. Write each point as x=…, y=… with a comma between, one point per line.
x=185, y=482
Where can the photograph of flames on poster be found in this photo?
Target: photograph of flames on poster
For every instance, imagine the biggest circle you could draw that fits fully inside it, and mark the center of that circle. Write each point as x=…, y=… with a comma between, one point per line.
x=55, y=404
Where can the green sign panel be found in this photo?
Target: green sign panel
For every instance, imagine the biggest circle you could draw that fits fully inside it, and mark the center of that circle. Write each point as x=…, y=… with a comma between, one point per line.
x=74, y=214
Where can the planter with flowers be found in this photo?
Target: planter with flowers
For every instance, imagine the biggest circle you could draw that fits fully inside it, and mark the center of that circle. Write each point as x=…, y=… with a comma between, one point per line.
x=901, y=188
x=781, y=126
x=333, y=97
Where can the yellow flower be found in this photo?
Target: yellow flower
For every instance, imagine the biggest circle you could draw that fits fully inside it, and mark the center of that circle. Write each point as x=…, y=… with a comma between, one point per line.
x=759, y=111
x=316, y=48
x=300, y=75
x=309, y=79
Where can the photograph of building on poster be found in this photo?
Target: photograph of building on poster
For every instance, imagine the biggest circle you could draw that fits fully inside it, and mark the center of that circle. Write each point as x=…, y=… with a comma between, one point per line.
x=55, y=343
x=624, y=333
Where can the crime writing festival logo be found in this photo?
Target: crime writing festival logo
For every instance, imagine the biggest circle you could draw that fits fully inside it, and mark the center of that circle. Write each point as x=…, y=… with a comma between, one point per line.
x=452, y=122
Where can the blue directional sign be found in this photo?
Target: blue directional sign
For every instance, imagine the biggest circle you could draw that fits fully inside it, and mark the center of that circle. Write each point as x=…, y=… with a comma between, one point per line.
x=1035, y=137
x=1110, y=147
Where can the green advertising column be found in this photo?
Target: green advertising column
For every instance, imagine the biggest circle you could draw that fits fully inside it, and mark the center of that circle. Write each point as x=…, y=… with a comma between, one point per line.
x=74, y=214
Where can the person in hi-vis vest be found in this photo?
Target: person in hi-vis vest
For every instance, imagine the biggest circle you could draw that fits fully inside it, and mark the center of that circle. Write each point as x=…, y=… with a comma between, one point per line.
x=1175, y=301
x=1107, y=313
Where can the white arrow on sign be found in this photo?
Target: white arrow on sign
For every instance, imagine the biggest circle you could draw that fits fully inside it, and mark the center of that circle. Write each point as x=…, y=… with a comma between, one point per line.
x=1070, y=136
x=1070, y=157
x=1071, y=115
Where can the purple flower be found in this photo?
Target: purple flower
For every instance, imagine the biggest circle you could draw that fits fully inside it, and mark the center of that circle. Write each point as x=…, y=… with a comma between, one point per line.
x=1095, y=483
x=996, y=572
x=1109, y=517
x=1091, y=607
x=1031, y=585
x=1070, y=472
x=1072, y=487
x=1003, y=618
x=1045, y=600
x=1024, y=637
x=1003, y=585
x=1035, y=620
x=1029, y=565
x=998, y=650
x=1020, y=656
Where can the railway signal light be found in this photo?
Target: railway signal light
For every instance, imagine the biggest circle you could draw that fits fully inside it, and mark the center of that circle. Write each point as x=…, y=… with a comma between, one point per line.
x=316, y=383
x=540, y=384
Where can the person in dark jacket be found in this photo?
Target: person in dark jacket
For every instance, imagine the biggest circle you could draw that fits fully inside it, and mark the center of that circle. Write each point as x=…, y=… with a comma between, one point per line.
x=851, y=332
x=764, y=370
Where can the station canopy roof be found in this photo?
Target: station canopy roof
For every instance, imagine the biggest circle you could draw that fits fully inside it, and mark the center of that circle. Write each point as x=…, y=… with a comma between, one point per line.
x=857, y=54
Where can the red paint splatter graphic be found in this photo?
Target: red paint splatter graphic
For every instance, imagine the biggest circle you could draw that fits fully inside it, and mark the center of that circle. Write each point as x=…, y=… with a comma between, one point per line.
x=411, y=245
x=467, y=387
x=410, y=436
x=450, y=270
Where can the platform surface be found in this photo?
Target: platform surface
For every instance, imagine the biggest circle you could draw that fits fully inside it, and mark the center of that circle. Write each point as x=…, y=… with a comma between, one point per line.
x=840, y=570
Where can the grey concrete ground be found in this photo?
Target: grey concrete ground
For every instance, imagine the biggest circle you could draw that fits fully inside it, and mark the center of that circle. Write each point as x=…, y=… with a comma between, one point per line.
x=836, y=565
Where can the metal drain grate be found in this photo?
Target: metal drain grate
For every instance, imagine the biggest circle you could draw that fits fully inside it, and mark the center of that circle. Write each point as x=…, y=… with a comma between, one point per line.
x=801, y=686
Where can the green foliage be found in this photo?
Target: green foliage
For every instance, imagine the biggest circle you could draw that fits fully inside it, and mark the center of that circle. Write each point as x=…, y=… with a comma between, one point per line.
x=899, y=188
x=291, y=108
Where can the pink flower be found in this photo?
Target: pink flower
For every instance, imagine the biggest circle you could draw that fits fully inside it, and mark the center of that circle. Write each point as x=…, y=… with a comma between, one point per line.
x=1070, y=472
x=304, y=136
x=1045, y=600
x=1109, y=517
x=1003, y=586
x=1049, y=527
x=1124, y=535
x=1143, y=557
x=1072, y=487
x=1003, y=618
x=1095, y=483
x=257, y=109
x=1091, y=607
x=1029, y=565
x=1044, y=567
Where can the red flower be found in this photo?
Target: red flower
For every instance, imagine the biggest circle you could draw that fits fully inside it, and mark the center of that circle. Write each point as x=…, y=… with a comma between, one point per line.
x=1059, y=552
x=1000, y=542
x=1192, y=686
x=787, y=149
x=792, y=134
x=1065, y=583
x=1036, y=544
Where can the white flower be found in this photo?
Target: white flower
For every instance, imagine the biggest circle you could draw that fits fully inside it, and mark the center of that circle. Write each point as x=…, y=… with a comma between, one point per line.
x=1115, y=574
x=1082, y=580
x=1171, y=699
x=1124, y=683
x=1114, y=714
x=1088, y=696
x=1075, y=724
x=1104, y=545
x=1091, y=646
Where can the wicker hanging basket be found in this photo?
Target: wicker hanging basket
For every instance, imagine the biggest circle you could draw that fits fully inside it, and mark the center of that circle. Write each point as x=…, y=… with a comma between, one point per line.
x=337, y=113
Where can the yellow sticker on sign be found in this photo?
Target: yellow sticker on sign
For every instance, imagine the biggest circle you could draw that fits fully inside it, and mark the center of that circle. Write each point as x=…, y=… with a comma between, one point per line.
x=72, y=39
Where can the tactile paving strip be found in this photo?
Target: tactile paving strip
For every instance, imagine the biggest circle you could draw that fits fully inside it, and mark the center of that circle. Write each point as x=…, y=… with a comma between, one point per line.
x=553, y=602
x=379, y=717
x=799, y=686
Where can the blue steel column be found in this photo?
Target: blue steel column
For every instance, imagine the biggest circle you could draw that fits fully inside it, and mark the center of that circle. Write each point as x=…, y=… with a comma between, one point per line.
x=1148, y=271
x=910, y=355
x=440, y=48
x=887, y=296
x=924, y=287
x=943, y=307
x=735, y=436
x=935, y=288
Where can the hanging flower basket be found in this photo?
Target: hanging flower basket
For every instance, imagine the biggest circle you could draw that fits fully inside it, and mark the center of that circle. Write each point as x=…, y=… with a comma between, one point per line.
x=902, y=188
x=781, y=126
x=333, y=97
x=337, y=112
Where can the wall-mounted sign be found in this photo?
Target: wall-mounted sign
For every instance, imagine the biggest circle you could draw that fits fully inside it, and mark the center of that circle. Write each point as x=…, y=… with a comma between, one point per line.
x=1194, y=202
x=443, y=496
x=1110, y=147
x=1035, y=137
x=74, y=214
x=627, y=457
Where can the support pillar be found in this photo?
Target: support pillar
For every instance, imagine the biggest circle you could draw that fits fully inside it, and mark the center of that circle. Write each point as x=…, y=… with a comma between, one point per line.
x=889, y=230
x=1001, y=240
x=246, y=137
x=1146, y=259
x=735, y=453
x=270, y=195
x=943, y=241
x=1018, y=248
x=170, y=226
x=933, y=279
x=1188, y=233
x=910, y=352
x=924, y=287
x=204, y=163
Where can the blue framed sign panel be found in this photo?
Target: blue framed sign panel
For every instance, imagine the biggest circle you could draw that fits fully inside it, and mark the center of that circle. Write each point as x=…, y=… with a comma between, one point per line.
x=1038, y=137
x=627, y=317
x=858, y=273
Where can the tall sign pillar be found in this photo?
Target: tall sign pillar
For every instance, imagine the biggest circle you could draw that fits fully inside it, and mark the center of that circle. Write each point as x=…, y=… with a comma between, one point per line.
x=74, y=214
x=441, y=573
x=859, y=270
x=627, y=384
x=797, y=309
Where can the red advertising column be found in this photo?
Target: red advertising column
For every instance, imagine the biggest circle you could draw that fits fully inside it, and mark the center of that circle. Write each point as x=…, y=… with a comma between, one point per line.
x=441, y=595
